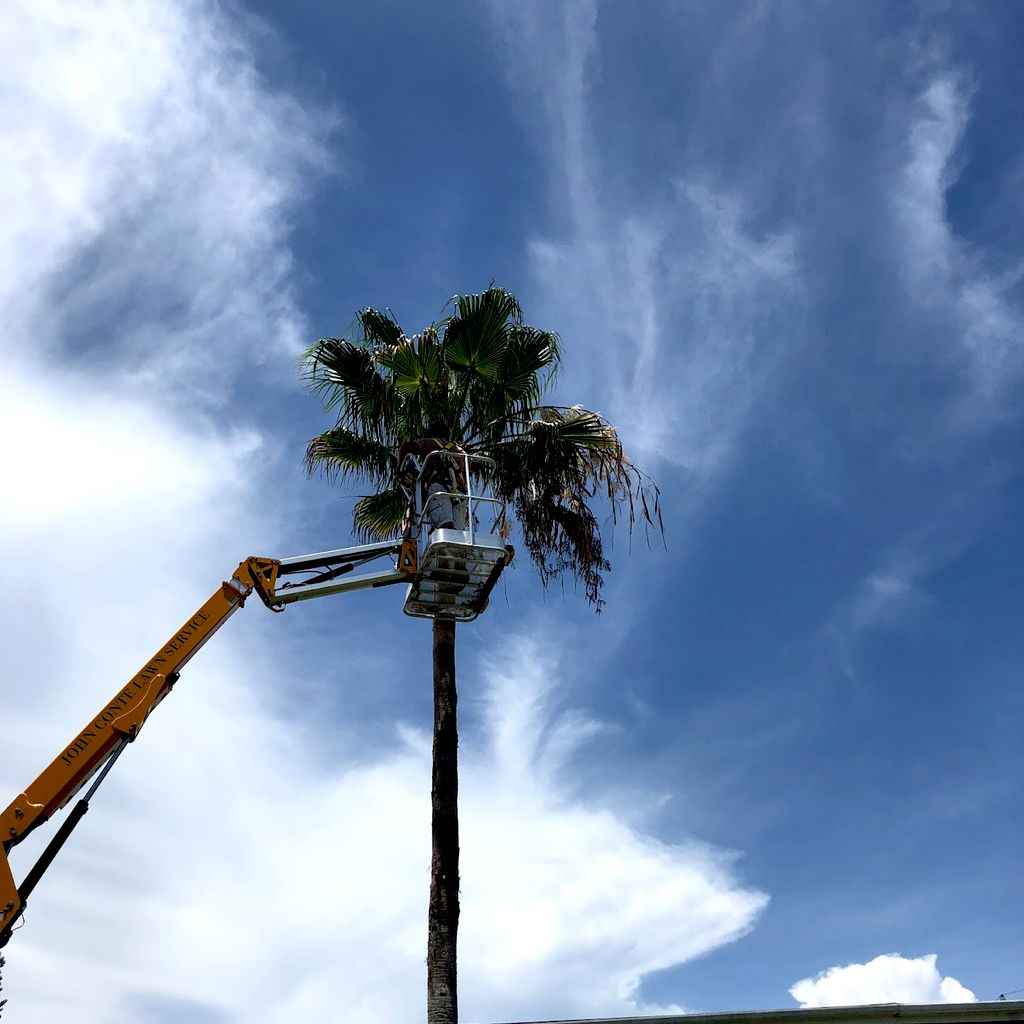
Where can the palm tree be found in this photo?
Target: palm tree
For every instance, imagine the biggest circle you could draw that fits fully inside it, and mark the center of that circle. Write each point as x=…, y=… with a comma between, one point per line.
x=482, y=373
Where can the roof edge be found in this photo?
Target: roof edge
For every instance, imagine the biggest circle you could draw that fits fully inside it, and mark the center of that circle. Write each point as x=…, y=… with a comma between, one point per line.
x=906, y=1013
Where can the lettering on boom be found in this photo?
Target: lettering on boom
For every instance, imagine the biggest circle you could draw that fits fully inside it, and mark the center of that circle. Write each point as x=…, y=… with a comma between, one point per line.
x=118, y=704
x=187, y=632
x=138, y=685
x=81, y=743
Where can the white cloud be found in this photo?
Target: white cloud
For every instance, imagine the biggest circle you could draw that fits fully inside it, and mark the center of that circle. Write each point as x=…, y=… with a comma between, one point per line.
x=889, y=978
x=898, y=588
x=87, y=446
x=148, y=179
x=880, y=599
x=934, y=137
x=607, y=904
x=942, y=270
x=888, y=592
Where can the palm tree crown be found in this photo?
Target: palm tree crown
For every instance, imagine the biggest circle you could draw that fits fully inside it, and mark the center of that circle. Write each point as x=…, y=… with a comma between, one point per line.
x=482, y=373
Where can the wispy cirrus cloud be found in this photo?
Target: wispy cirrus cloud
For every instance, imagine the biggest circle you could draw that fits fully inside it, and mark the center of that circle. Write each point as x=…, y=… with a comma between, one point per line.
x=943, y=272
x=880, y=599
x=679, y=303
x=957, y=325
x=674, y=298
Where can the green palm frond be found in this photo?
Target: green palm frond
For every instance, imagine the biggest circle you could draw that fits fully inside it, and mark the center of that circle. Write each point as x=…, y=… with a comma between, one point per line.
x=477, y=335
x=494, y=306
x=379, y=329
x=528, y=367
x=431, y=353
x=340, y=455
x=415, y=369
x=406, y=368
x=346, y=378
x=531, y=361
x=381, y=515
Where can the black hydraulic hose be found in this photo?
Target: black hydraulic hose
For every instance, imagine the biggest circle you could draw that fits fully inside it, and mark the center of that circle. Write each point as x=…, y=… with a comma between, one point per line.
x=53, y=847
x=331, y=574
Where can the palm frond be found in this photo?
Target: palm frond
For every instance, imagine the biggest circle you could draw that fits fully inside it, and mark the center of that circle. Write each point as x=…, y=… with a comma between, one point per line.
x=403, y=362
x=528, y=367
x=550, y=470
x=493, y=302
x=477, y=335
x=381, y=515
x=379, y=329
x=531, y=361
x=345, y=376
x=422, y=384
x=563, y=539
x=340, y=455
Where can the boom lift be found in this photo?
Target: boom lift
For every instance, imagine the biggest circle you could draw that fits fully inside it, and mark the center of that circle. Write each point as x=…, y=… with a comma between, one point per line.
x=450, y=573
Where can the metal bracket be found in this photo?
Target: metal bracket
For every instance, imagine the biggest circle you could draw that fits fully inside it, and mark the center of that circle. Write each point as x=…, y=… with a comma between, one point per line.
x=408, y=559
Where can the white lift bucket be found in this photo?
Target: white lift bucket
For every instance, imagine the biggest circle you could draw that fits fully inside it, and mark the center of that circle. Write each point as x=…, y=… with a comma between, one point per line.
x=458, y=562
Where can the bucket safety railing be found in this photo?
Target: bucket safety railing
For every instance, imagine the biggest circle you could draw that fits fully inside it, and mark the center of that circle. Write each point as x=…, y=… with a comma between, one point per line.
x=466, y=505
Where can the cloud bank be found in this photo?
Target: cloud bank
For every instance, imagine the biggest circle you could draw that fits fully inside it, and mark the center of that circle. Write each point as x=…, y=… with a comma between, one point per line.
x=150, y=177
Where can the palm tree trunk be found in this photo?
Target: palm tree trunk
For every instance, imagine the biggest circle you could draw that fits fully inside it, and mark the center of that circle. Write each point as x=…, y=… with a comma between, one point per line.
x=443, y=911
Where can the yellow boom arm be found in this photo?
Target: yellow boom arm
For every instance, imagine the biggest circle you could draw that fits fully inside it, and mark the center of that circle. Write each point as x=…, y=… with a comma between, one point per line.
x=118, y=722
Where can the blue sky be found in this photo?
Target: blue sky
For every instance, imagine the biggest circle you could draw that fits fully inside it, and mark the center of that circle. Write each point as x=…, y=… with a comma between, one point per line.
x=781, y=245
